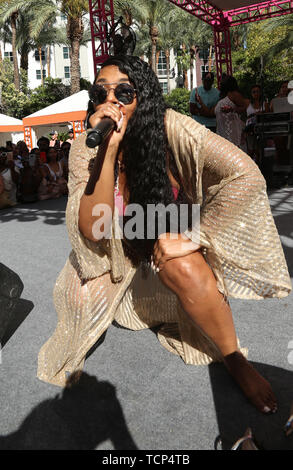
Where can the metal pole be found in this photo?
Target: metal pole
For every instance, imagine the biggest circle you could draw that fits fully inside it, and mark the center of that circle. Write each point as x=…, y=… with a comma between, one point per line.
x=223, y=54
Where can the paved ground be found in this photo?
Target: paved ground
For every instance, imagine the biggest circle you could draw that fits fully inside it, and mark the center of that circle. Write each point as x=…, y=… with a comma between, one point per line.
x=134, y=393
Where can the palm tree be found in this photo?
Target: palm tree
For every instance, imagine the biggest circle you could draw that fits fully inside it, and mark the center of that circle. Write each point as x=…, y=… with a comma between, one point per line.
x=239, y=36
x=5, y=34
x=128, y=9
x=167, y=32
x=74, y=11
x=26, y=43
x=191, y=32
x=42, y=12
x=285, y=43
x=8, y=10
x=152, y=13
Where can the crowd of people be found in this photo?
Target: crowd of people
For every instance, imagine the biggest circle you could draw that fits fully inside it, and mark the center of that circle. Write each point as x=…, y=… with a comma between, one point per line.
x=230, y=114
x=39, y=174
x=42, y=173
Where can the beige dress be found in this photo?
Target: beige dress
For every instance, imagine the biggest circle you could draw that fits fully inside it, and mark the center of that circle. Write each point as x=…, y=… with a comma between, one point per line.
x=98, y=283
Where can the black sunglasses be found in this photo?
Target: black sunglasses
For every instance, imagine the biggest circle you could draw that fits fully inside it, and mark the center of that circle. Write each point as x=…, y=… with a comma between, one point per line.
x=124, y=92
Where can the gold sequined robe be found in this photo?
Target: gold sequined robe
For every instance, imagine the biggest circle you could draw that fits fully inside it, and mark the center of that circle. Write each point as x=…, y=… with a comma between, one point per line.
x=98, y=284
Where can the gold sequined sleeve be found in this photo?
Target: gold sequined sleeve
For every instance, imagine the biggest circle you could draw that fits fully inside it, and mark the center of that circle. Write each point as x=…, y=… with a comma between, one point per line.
x=91, y=259
x=237, y=226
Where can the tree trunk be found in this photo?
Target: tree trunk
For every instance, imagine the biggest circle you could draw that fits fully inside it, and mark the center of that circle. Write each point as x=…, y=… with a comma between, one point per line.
x=75, y=68
x=192, y=56
x=14, y=51
x=49, y=61
x=154, y=62
x=167, y=54
x=154, y=33
x=24, y=59
x=41, y=65
x=74, y=34
x=210, y=58
x=185, y=77
x=157, y=58
x=127, y=17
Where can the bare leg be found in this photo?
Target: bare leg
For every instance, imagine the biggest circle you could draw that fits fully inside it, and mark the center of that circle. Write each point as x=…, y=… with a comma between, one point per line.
x=194, y=283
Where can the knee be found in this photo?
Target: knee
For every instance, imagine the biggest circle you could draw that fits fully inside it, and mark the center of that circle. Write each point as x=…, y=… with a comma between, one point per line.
x=187, y=272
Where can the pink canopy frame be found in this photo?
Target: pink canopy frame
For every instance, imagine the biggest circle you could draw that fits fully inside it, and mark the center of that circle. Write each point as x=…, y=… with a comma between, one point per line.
x=221, y=20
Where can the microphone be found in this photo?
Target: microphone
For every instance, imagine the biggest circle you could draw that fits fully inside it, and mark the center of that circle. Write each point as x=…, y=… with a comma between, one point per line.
x=100, y=132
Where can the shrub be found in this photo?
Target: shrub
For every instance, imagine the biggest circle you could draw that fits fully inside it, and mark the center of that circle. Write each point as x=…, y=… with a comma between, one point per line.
x=178, y=100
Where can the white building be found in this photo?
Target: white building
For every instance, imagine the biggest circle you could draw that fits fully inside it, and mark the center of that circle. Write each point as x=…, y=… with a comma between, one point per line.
x=55, y=62
x=58, y=65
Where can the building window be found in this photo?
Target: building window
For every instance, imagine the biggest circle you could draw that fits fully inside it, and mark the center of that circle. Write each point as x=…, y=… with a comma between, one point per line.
x=164, y=86
x=66, y=72
x=8, y=55
x=162, y=64
x=38, y=74
x=37, y=55
x=65, y=52
x=204, y=68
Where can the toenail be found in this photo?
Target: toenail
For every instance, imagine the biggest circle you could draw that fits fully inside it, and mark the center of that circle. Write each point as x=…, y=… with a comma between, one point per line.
x=266, y=409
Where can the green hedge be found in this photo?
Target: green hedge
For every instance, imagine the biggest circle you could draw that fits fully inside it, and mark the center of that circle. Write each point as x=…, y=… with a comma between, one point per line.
x=178, y=100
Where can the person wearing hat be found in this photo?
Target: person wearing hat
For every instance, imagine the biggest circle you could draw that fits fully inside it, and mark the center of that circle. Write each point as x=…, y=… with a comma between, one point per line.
x=70, y=137
x=54, y=142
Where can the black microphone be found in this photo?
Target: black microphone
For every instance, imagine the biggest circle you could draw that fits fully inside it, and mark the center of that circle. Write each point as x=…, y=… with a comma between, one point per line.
x=100, y=132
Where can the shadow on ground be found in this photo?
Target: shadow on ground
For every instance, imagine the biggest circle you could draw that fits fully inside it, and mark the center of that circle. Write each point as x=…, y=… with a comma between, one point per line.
x=235, y=414
x=13, y=309
x=51, y=211
x=80, y=418
x=22, y=310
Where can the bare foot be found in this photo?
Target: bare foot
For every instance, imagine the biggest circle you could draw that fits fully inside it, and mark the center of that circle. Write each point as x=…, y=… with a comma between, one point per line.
x=254, y=386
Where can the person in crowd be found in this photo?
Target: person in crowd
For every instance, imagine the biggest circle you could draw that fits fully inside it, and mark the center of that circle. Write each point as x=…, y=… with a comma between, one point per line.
x=64, y=156
x=33, y=156
x=257, y=105
x=179, y=283
x=228, y=110
x=282, y=93
x=70, y=136
x=203, y=101
x=21, y=151
x=29, y=181
x=9, y=146
x=9, y=180
x=54, y=173
x=54, y=142
x=43, y=143
x=281, y=142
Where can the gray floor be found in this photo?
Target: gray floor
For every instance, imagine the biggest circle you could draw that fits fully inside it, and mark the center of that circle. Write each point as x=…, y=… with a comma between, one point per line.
x=134, y=394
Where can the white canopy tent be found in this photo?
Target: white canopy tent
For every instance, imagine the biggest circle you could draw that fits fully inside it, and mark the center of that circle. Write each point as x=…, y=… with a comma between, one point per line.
x=10, y=129
x=60, y=116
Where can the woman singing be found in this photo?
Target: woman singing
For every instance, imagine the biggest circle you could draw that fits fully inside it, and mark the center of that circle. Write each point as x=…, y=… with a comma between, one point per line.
x=157, y=156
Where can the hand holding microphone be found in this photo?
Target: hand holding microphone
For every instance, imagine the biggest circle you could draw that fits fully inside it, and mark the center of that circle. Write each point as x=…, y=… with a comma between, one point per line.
x=109, y=122
x=98, y=134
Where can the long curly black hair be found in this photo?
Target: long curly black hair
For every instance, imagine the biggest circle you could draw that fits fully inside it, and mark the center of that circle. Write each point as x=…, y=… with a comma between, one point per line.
x=145, y=144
